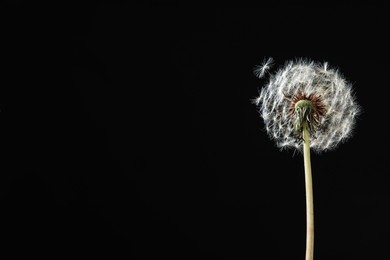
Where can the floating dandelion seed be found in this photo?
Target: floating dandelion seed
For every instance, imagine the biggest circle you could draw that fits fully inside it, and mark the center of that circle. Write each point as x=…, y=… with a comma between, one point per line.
x=260, y=70
x=307, y=105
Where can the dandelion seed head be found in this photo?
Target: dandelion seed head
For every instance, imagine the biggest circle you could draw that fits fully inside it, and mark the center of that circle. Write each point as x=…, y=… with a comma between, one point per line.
x=332, y=116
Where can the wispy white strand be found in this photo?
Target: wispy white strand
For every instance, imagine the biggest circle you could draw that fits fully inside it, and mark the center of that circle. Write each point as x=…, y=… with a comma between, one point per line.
x=260, y=70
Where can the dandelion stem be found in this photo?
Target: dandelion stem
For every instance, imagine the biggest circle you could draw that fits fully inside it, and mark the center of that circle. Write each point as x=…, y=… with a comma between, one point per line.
x=309, y=195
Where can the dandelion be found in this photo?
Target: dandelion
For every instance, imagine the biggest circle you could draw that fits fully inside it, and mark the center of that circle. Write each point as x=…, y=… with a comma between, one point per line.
x=307, y=105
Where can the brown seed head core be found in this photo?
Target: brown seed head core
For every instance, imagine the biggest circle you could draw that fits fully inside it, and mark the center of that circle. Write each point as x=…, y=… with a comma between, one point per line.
x=308, y=110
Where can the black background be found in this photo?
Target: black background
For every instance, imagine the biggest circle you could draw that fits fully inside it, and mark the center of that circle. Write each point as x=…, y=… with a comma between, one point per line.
x=128, y=130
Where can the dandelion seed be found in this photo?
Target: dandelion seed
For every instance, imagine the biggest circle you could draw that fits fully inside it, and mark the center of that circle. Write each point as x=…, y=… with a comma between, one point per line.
x=260, y=70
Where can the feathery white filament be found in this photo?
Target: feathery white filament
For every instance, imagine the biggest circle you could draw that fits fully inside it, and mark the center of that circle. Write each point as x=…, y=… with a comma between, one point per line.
x=260, y=70
x=309, y=78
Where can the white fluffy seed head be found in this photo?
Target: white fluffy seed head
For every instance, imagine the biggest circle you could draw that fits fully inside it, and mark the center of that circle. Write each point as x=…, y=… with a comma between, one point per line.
x=308, y=78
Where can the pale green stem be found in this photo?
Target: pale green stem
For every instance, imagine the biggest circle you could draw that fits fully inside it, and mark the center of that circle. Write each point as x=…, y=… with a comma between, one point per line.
x=309, y=196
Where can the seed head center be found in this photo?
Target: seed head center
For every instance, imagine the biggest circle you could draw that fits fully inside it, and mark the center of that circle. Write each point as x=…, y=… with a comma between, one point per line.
x=304, y=111
x=304, y=104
